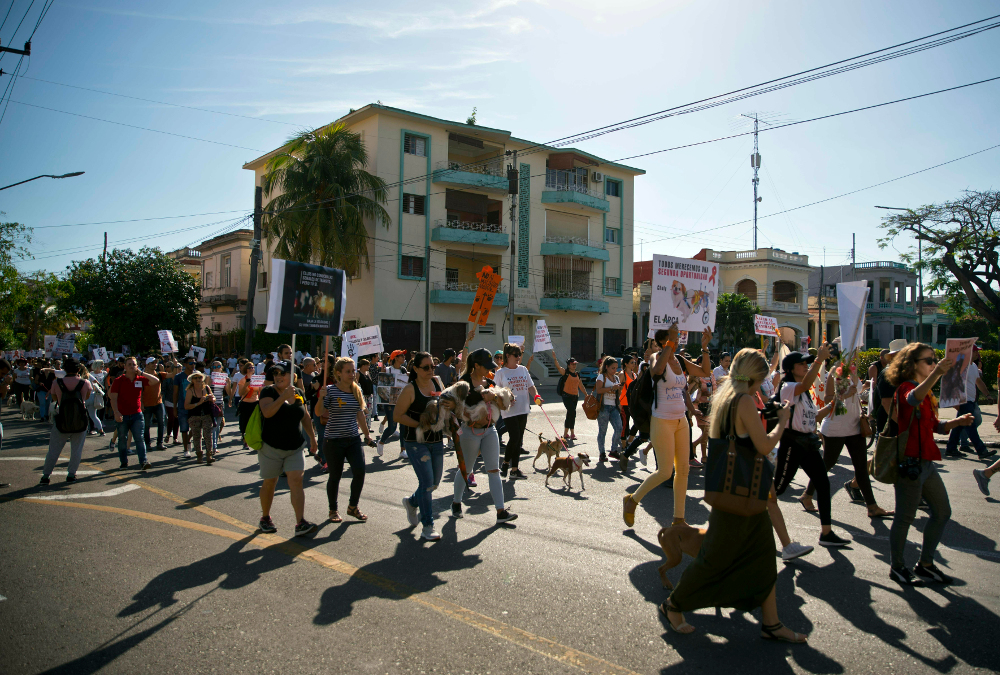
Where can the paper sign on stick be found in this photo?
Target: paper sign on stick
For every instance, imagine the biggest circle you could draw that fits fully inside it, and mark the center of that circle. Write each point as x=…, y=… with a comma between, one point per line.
x=361, y=341
x=685, y=292
x=542, y=339
x=489, y=283
x=516, y=340
x=167, y=343
x=953, y=383
x=852, y=297
x=765, y=325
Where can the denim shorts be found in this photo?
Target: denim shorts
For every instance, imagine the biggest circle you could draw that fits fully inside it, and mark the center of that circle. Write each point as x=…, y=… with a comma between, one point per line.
x=182, y=419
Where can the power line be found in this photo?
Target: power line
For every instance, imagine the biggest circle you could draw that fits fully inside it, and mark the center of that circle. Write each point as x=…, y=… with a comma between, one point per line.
x=7, y=14
x=2, y=54
x=139, y=220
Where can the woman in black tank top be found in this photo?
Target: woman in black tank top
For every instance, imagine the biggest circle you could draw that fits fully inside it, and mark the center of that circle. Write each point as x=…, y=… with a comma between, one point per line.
x=427, y=458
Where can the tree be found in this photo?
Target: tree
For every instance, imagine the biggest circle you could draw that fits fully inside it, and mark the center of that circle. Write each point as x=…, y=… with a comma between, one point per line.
x=323, y=196
x=13, y=237
x=43, y=308
x=132, y=296
x=471, y=119
x=734, y=321
x=961, y=247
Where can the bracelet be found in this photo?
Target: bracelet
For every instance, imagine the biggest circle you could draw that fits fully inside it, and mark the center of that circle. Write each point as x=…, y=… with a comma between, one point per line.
x=671, y=344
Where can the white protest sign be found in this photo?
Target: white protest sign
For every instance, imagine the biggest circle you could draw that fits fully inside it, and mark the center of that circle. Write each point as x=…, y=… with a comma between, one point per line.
x=65, y=343
x=685, y=292
x=218, y=379
x=542, y=339
x=102, y=354
x=361, y=341
x=516, y=340
x=257, y=381
x=168, y=344
x=197, y=352
x=851, y=299
x=765, y=325
x=953, y=383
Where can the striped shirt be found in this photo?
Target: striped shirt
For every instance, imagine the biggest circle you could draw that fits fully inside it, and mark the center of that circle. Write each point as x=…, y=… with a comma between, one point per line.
x=343, y=409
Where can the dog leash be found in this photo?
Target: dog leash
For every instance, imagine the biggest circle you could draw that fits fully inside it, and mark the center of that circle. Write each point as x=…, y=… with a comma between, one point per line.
x=554, y=430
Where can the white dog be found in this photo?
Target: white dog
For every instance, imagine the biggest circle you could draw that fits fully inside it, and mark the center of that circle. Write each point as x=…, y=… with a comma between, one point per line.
x=29, y=410
x=502, y=399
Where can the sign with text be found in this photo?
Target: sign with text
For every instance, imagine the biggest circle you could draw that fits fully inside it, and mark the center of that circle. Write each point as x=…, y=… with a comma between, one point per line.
x=65, y=343
x=49, y=342
x=516, y=340
x=489, y=284
x=542, y=339
x=765, y=325
x=257, y=381
x=953, y=383
x=197, y=352
x=685, y=292
x=168, y=345
x=306, y=299
x=101, y=353
x=361, y=341
x=218, y=379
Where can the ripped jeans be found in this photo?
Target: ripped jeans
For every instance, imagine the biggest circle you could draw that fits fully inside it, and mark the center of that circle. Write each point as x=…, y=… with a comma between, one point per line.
x=427, y=460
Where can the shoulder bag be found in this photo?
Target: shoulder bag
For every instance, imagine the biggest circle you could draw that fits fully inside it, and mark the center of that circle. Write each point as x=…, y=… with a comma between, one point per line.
x=592, y=404
x=884, y=465
x=737, y=479
x=255, y=429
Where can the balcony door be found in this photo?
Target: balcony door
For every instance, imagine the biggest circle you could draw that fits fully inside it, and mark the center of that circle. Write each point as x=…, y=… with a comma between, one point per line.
x=445, y=334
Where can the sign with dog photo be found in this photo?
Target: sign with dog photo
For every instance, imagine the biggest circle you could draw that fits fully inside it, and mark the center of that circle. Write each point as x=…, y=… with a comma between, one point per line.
x=953, y=383
x=306, y=299
x=685, y=292
x=386, y=389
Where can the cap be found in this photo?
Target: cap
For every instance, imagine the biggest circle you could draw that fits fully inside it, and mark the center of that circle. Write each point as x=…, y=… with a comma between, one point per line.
x=481, y=357
x=498, y=353
x=571, y=360
x=150, y=359
x=794, y=359
x=283, y=367
x=398, y=352
x=896, y=345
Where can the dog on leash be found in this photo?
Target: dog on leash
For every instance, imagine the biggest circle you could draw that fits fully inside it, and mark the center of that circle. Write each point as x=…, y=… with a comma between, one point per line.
x=568, y=465
x=550, y=449
x=675, y=542
x=12, y=401
x=441, y=409
x=29, y=410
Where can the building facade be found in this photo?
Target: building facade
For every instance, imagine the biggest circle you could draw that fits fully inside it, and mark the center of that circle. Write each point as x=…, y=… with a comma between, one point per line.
x=451, y=215
x=225, y=275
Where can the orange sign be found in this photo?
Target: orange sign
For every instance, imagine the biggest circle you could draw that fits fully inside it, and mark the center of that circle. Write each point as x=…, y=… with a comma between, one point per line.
x=489, y=284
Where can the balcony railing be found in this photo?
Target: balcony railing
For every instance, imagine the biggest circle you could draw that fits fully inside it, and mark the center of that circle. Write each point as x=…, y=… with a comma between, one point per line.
x=881, y=263
x=491, y=167
x=571, y=181
x=581, y=241
x=580, y=294
x=472, y=226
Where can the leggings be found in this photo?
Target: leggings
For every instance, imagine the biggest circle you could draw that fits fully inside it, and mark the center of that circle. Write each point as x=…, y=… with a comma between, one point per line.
x=390, y=428
x=639, y=440
x=799, y=449
x=337, y=450
x=474, y=442
x=173, y=424
x=671, y=445
x=928, y=485
x=95, y=422
x=832, y=445
x=624, y=421
x=571, y=403
x=515, y=427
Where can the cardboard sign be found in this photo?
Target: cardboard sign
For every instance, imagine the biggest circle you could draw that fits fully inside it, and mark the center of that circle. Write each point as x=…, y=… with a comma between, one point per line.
x=685, y=292
x=218, y=379
x=101, y=353
x=516, y=340
x=852, y=297
x=489, y=284
x=257, y=381
x=65, y=343
x=953, y=383
x=542, y=339
x=765, y=325
x=306, y=299
x=168, y=345
x=197, y=352
x=361, y=341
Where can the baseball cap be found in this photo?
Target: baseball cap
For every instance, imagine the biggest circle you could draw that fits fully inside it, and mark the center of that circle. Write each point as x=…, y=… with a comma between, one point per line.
x=896, y=345
x=498, y=353
x=398, y=352
x=280, y=367
x=150, y=359
x=794, y=359
x=481, y=357
x=571, y=360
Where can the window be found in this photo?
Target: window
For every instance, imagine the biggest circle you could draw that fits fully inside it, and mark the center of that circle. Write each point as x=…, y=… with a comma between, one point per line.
x=488, y=329
x=785, y=291
x=747, y=288
x=208, y=280
x=217, y=327
x=451, y=275
x=869, y=331
x=262, y=280
x=942, y=332
x=612, y=188
x=414, y=204
x=611, y=235
x=412, y=266
x=611, y=286
x=555, y=331
x=414, y=145
x=227, y=263
x=897, y=332
x=830, y=291
x=352, y=324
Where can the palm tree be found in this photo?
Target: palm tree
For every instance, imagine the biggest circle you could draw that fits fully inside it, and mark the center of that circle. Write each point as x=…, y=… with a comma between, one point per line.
x=323, y=198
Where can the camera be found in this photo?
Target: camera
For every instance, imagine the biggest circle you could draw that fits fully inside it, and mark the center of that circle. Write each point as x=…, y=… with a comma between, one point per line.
x=909, y=467
x=770, y=411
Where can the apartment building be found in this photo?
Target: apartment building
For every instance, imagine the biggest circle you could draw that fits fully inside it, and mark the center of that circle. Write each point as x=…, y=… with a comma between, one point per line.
x=451, y=215
x=225, y=277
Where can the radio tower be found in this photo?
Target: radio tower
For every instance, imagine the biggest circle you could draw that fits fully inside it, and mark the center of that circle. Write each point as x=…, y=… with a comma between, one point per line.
x=755, y=165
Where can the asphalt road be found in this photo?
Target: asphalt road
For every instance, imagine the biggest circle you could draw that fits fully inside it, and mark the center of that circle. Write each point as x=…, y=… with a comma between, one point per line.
x=165, y=571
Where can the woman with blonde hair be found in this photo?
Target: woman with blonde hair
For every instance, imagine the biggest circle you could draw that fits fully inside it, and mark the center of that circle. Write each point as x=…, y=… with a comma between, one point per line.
x=736, y=564
x=198, y=402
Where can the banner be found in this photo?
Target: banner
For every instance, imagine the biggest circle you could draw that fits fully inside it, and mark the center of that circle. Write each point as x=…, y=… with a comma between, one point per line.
x=361, y=341
x=306, y=299
x=489, y=284
x=765, y=325
x=851, y=299
x=516, y=340
x=953, y=383
x=542, y=339
x=168, y=345
x=684, y=292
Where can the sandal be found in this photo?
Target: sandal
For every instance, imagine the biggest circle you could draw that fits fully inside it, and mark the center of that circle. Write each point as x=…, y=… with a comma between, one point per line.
x=807, y=509
x=881, y=513
x=334, y=517
x=355, y=513
x=769, y=633
x=628, y=515
x=684, y=628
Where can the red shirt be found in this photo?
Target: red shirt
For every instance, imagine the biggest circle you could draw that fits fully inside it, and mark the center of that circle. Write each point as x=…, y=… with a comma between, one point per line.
x=129, y=393
x=921, y=442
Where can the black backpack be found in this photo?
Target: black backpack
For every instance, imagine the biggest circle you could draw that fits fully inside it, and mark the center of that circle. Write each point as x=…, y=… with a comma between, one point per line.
x=72, y=415
x=641, y=396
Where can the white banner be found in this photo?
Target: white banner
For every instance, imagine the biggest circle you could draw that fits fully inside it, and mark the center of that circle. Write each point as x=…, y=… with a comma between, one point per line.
x=168, y=345
x=65, y=343
x=852, y=297
x=218, y=379
x=257, y=381
x=516, y=340
x=765, y=325
x=542, y=339
x=685, y=292
x=361, y=341
x=953, y=383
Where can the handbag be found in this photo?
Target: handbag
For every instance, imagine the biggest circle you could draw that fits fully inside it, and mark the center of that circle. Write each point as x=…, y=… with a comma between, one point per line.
x=255, y=429
x=884, y=465
x=866, y=427
x=737, y=479
x=592, y=405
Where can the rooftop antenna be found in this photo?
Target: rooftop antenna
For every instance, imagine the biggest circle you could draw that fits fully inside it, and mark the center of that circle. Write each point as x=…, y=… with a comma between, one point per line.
x=755, y=165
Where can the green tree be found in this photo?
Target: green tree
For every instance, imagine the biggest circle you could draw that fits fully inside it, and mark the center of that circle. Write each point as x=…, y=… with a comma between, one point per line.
x=132, y=296
x=43, y=309
x=13, y=238
x=734, y=321
x=323, y=197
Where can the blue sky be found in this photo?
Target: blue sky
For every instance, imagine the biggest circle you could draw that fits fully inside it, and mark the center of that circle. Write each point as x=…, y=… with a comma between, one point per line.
x=542, y=70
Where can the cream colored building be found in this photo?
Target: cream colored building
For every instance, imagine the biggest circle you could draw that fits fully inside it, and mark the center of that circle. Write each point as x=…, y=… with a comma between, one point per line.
x=450, y=208
x=225, y=277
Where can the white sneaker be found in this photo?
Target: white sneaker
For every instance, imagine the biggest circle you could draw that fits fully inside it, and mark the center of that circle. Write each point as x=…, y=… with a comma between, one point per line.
x=795, y=550
x=403, y=455
x=412, y=514
x=430, y=534
x=643, y=456
x=187, y=453
x=381, y=426
x=379, y=448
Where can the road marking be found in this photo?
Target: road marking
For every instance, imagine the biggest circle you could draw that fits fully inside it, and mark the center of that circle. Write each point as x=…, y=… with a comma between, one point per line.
x=535, y=643
x=25, y=459
x=113, y=492
x=78, y=473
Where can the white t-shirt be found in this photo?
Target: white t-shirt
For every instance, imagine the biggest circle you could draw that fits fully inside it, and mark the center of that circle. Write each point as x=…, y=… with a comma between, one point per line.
x=803, y=408
x=848, y=424
x=970, y=382
x=518, y=380
x=670, y=392
x=236, y=379
x=259, y=368
x=717, y=374
x=609, y=396
x=402, y=378
x=231, y=363
x=23, y=376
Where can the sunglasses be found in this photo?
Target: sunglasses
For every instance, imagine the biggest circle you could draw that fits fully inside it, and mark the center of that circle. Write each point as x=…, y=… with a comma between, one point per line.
x=427, y=367
x=931, y=360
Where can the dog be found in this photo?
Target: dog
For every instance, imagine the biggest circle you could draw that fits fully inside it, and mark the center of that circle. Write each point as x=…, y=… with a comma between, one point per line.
x=439, y=410
x=550, y=449
x=675, y=542
x=53, y=411
x=689, y=302
x=569, y=464
x=12, y=401
x=502, y=399
x=29, y=410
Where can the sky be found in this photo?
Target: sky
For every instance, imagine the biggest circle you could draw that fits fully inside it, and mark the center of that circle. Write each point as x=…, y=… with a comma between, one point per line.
x=542, y=70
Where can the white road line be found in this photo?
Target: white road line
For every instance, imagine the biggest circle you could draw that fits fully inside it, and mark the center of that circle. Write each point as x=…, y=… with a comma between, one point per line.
x=87, y=495
x=81, y=472
x=25, y=459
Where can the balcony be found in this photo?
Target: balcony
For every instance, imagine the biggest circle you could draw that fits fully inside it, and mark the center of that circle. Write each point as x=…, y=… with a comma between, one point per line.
x=456, y=293
x=224, y=295
x=580, y=247
x=469, y=232
x=880, y=263
x=573, y=301
x=483, y=175
x=569, y=187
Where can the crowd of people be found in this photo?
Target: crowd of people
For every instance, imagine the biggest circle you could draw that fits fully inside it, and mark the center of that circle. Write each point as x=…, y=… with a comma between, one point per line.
x=799, y=410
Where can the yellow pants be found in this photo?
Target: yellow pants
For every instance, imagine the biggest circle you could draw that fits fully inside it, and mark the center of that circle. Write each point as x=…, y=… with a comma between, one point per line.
x=672, y=445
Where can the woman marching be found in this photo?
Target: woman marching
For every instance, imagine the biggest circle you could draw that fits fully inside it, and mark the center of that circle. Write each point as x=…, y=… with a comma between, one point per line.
x=735, y=566
x=344, y=403
x=570, y=388
x=198, y=402
x=248, y=399
x=609, y=388
x=668, y=428
x=630, y=365
x=426, y=456
x=515, y=377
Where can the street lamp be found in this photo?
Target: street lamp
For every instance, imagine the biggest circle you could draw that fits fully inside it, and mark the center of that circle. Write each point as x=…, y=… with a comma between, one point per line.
x=65, y=175
x=920, y=272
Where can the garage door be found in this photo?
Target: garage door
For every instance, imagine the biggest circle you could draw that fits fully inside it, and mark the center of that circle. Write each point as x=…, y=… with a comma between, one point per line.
x=583, y=344
x=614, y=339
x=401, y=335
x=445, y=334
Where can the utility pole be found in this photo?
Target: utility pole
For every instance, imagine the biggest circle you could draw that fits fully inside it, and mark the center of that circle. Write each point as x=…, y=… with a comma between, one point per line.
x=248, y=323
x=512, y=180
x=23, y=52
x=427, y=298
x=755, y=164
x=854, y=252
x=104, y=256
x=820, y=332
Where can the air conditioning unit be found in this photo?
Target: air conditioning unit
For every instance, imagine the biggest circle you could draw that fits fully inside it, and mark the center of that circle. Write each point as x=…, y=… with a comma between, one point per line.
x=597, y=176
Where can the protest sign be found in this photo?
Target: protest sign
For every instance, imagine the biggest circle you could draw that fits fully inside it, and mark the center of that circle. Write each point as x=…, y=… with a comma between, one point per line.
x=168, y=344
x=218, y=379
x=852, y=297
x=361, y=341
x=953, y=384
x=765, y=325
x=257, y=381
x=684, y=292
x=101, y=353
x=489, y=284
x=65, y=343
x=197, y=352
x=516, y=340
x=306, y=299
x=542, y=339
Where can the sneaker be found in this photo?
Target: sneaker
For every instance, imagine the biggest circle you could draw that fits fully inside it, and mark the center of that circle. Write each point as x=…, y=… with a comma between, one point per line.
x=430, y=534
x=187, y=453
x=267, y=525
x=853, y=493
x=517, y=474
x=412, y=514
x=504, y=468
x=44, y=480
x=403, y=455
x=471, y=481
x=304, y=527
x=795, y=550
x=931, y=573
x=954, y=453
x=147, y=466
x=642, y=456
x=505, y=516
x=904, y=577
x=982, y=481
x=379, y=448
x=615, y=454
x=694, y=463
x=602, y=459
x=70, y=478
x=456, y=510
x=831, y=540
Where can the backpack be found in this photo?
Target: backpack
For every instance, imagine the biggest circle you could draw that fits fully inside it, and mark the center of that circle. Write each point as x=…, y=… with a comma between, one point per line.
x=641, y=396
x=255, y=429
x=72, y=415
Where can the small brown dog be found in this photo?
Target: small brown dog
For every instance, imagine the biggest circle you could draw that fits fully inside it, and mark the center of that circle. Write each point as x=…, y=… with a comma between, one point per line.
x=550, y=449
x=569, y=464
x=675, y=542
